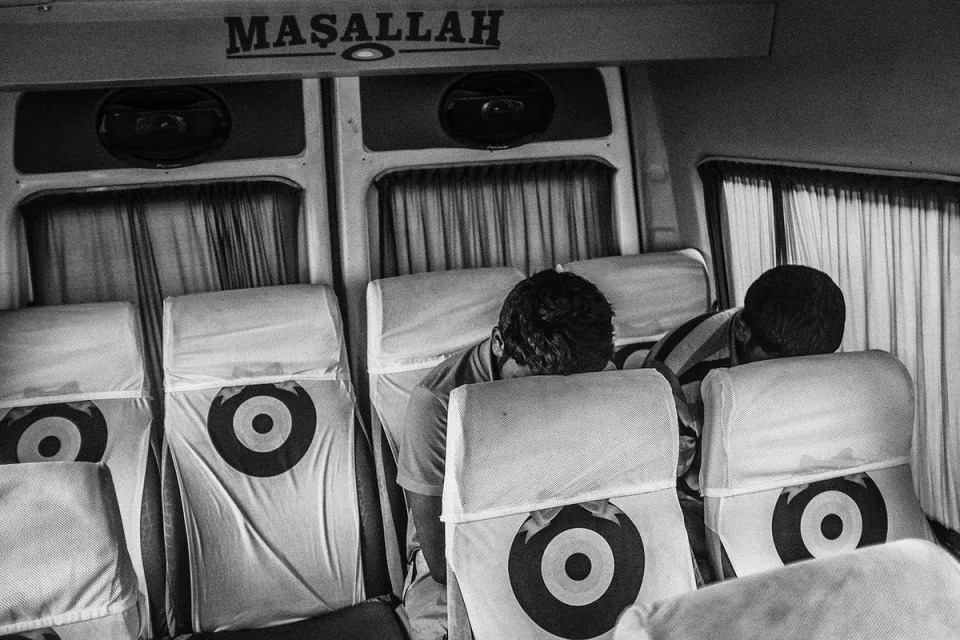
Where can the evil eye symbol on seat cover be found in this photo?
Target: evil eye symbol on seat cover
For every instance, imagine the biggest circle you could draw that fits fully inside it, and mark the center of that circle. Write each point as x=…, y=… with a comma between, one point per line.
x=262, y=430
x=574, y=569
x=828, y=517
x=64, y=431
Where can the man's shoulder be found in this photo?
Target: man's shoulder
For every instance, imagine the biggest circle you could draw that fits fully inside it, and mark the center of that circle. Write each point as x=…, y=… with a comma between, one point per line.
x=468, y=366
x=693, y=336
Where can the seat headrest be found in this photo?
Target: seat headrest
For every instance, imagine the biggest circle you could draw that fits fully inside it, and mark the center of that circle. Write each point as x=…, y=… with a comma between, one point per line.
x=252, y=336
x=418, y=321
x=538, y=442
x=651, y=293
x=791, y=421
x=65, y=559
x=70, y=353
x=904, y=589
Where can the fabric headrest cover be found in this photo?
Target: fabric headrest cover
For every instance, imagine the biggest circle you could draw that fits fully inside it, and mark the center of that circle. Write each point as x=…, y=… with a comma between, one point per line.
x=418, y=321
x=905, y=589
x=249, y=336
x=70, y=353
x=544, y=441
x=64, y=556
x=651, y=293
x=791, y=421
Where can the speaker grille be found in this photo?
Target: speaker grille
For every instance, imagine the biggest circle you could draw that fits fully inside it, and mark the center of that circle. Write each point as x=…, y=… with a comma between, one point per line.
x=406, y=111
x=163, y=127
x=496, y=110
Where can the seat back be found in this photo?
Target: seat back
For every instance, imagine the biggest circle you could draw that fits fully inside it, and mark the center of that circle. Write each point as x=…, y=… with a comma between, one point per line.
x=560, y=504
x=73, y=388
x=651, y=294
x=66, y=571
x=807, y=457
x=261, y=434
x=415, y=322
x=899, y=591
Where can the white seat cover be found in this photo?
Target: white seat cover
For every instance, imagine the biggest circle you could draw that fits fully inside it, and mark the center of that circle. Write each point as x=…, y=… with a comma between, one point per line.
x=651, y=293
x=899, y=591
x=559, y=502
x=415, y=322
x=260, y=420
x=65, y=568
x=808, y=457
x=72, y=388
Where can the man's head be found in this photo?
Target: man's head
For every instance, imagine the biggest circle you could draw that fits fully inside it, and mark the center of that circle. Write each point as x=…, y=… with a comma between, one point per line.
x=790, y=310
x=553, y=323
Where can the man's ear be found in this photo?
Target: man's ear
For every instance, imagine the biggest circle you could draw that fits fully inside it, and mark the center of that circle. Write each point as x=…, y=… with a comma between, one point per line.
x=496, y=341
x=740, y=330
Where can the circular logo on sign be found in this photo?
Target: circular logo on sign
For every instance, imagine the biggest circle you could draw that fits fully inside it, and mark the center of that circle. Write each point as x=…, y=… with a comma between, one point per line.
x=828, y=517
x=574, y=573
x=367, y=52
x=262, y=430
x=64, y=432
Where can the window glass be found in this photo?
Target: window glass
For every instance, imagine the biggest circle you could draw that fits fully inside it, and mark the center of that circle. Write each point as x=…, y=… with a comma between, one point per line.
x=142, y=245
x=893, y=247
x=531, y=216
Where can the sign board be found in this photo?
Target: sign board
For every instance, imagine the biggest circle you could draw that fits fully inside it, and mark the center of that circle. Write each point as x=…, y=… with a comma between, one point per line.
x=96, y=43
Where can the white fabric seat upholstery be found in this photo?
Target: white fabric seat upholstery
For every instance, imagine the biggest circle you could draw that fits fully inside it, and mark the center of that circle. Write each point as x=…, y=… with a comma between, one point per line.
x=260, y=425
x=899, y=591
x=807, y=457
x=651, y=294
x=560, y=503
x=415, y=322
x=73, y=388
x=66, y=571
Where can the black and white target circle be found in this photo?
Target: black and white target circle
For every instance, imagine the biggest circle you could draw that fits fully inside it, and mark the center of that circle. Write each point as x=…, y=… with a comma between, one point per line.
x=574, y=576
x=62, y=432
x=262, y=430
x=828, y=517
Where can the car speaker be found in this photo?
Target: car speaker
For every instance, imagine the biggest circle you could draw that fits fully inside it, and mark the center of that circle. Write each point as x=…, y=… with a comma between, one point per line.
x=163, y=127
x=496, y=110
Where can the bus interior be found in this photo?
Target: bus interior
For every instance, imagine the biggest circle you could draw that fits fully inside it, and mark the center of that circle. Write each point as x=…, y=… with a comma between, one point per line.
x=280, y=215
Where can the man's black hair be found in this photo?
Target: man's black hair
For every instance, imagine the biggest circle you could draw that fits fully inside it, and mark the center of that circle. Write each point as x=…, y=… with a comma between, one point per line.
x=793, y=310
x=557, y=323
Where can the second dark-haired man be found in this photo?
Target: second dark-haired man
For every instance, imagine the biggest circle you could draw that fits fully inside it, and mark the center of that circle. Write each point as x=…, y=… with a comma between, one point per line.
x=550, y=324
x=790, y=310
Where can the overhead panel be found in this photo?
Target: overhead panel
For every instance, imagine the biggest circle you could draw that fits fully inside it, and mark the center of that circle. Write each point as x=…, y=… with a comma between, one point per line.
x=97, y=42
x=96, y=129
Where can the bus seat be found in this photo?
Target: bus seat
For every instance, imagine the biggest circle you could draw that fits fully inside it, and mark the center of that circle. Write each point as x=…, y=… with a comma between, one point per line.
x=417, y=321
x=277, y=504
x=898, y=591
x=807, y=457
x=66, y=571
x=651, y=294
x=73, y=388
x=560, y=504
x=414, y=323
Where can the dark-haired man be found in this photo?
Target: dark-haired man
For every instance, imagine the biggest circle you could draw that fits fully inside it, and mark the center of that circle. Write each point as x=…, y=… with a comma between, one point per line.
x=790, y=310
x=550, y=323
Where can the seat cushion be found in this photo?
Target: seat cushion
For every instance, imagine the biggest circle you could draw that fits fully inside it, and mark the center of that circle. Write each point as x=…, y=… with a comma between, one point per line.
x=374, y=619
x=71, y=572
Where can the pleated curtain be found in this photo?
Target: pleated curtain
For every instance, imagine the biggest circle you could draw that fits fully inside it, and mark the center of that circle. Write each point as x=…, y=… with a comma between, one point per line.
x=531, y=216
x=893, y=247
x=142, y=245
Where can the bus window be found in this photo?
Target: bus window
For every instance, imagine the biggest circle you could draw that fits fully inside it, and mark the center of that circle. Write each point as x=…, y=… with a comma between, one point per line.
x=531, y=216
x=890, y=243
x=142, y=245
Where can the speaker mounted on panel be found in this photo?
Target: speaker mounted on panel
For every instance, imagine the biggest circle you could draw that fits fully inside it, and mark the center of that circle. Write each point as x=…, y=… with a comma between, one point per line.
x=163, y=127
x=496, y=110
